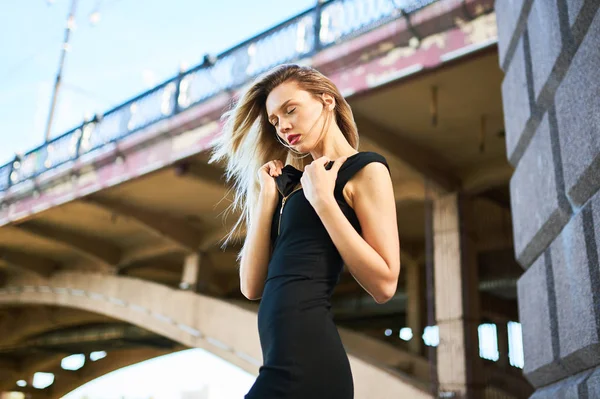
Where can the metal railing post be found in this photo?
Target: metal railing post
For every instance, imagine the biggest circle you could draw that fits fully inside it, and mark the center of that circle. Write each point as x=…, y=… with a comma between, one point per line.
x=13, y=170
x=317, y=32
x=79, y=139
x=10, y=172
x=176, y=107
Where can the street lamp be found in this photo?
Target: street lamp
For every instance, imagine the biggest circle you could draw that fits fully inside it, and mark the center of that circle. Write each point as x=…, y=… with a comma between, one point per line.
x=65, y=48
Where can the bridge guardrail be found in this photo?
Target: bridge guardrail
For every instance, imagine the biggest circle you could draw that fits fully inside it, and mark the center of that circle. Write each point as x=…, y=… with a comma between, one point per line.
x=303, y=35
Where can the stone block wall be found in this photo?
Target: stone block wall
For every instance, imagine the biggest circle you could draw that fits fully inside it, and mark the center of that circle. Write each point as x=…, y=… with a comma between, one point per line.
x=550, y=53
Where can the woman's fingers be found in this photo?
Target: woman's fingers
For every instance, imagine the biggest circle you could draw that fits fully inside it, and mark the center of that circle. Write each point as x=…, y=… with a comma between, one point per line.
x=278, y=166
x=274, y=168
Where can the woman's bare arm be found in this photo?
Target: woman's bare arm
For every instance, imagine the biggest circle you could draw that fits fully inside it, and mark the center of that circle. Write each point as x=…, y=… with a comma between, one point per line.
x=373, y=258
x=257, y=249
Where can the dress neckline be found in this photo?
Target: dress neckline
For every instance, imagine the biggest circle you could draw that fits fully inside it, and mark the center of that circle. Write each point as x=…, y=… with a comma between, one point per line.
x=301, y=172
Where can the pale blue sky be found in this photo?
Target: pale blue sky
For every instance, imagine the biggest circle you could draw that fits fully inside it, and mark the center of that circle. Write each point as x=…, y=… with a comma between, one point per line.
x=135, y=45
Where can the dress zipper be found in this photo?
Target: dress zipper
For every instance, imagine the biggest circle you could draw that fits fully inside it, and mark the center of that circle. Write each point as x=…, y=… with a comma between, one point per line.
x=282, y=205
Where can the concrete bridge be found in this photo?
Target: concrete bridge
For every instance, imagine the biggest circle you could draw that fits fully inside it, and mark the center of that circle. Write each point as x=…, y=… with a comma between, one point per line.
x=109, y=234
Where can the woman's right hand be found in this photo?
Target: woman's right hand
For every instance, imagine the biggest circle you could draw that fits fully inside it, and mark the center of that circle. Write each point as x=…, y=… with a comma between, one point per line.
x=266, y=177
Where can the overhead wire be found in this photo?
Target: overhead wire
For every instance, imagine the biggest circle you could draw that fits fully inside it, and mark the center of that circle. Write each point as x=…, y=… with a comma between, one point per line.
x=18, y=67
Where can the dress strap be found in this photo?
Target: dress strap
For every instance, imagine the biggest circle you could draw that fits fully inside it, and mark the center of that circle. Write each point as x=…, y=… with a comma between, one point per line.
x=352, y=165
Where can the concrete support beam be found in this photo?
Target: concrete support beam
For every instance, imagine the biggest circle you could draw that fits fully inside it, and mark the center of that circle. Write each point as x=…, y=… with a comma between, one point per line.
x=456, y=298
x=157, y=274
x=481, y=178
x=175, y=230
x=101, y=252
x=212, y=237
x=178, y=232
x=414, y=312
x=497, y=308
x=147, y=253
x=33, y=263
x=204, y=172
x=21, y=323
x=421, y=159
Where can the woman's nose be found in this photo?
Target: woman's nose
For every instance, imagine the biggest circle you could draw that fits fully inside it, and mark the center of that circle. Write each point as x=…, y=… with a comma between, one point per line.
x=284, y=126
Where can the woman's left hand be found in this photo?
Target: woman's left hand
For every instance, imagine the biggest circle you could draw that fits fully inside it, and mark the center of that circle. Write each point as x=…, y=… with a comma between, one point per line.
x=318, y=183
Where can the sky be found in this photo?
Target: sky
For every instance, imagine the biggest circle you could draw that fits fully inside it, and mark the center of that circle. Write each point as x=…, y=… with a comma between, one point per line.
x=167, y=377
x=134, y=46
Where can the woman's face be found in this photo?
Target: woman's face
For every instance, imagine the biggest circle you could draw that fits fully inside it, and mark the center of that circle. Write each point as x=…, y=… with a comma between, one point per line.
x=296, y=115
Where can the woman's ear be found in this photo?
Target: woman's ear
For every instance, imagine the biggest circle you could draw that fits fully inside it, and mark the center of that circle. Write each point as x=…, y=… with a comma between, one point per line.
x=328, y=101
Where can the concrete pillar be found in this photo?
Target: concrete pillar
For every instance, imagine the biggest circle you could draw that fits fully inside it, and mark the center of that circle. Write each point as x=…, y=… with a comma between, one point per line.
x=456, y=299
x=423, y=309
x=414, y=309
x=191, y=271
x=502, y=331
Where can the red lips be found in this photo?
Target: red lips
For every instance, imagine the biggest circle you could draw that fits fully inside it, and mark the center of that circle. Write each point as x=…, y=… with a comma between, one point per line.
x=292, y=139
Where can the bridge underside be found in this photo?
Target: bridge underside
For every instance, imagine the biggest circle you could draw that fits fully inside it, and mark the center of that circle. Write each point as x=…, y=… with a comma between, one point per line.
x=124, y=256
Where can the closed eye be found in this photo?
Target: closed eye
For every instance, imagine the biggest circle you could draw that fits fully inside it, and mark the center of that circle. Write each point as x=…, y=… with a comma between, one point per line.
x=289, y=112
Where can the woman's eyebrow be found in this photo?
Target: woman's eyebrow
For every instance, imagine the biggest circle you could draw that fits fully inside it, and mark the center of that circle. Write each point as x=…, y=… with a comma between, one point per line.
x=280, y=107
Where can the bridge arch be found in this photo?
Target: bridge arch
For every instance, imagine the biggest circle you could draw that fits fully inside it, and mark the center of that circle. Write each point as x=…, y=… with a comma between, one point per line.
x=222, y=328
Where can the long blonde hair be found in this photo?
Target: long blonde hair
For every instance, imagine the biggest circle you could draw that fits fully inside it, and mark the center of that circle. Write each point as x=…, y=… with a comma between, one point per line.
x=248, y=140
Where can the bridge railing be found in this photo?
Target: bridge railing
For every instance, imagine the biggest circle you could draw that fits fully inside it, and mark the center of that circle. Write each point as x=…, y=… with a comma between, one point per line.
x=324, y=25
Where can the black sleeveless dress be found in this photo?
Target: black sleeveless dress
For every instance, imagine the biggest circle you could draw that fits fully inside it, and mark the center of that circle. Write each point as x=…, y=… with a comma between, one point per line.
x=302, y=351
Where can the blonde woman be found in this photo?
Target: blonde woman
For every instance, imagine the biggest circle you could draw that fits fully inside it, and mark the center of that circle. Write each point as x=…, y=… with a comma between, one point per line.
x=311, y=203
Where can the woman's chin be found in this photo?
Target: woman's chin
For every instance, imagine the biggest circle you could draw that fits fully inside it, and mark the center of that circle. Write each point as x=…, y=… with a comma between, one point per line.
x=301, y=147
